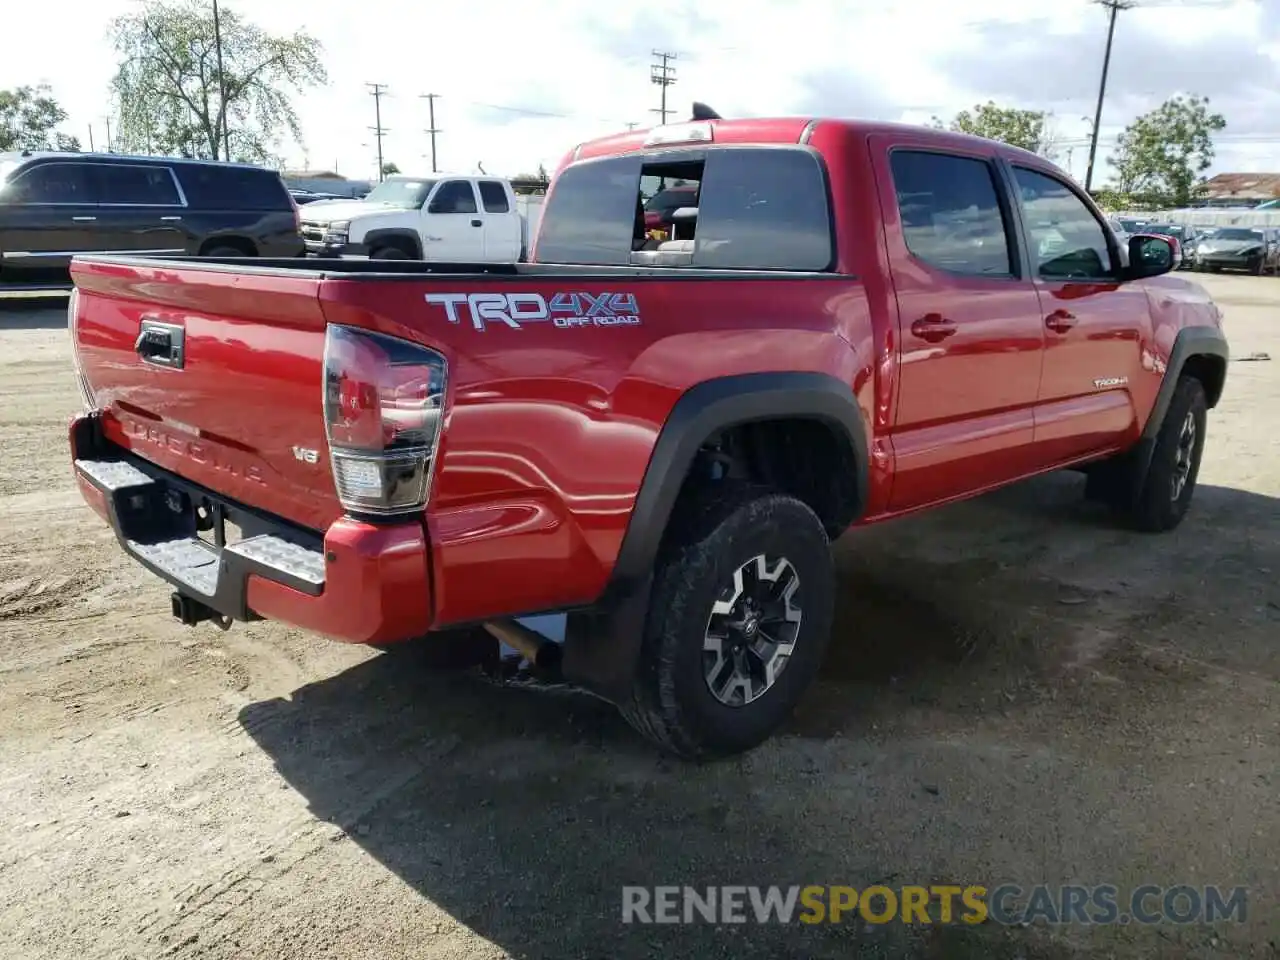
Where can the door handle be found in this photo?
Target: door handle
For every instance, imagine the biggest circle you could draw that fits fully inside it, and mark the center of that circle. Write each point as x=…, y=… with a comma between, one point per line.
x=1060, y=321
x=933, y=327
x=83, y=219
x=477, y=223
x=170, y=219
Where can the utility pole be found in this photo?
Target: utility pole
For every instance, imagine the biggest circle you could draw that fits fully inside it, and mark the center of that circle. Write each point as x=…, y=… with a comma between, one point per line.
x=108, y=120
x=377, y=91
x=664, y=75
x=92, y=149
x=432, y=130
x=1114, y=6
x=222, y=85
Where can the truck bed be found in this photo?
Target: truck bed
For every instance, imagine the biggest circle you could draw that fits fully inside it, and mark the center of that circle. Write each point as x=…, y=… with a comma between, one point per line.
x=548, y=426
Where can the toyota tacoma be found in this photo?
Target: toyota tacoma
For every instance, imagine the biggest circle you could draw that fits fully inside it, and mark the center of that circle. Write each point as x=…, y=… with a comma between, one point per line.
x=659, y=439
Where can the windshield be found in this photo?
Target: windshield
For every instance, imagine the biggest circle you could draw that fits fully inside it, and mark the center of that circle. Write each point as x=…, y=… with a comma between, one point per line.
x=1165, y=230
x=1226, y=233
x=1131, y=226
x=401, y=193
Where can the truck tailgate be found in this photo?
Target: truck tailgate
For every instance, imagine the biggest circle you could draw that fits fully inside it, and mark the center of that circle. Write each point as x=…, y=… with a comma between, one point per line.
x=214, y=375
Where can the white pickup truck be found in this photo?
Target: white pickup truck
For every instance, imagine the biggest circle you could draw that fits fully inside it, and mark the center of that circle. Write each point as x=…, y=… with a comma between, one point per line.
x=442, y=217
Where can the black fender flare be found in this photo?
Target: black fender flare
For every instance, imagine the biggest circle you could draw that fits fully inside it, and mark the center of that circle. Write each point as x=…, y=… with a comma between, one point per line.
x=603, y=642
x=372, y=238
x=1190, y=342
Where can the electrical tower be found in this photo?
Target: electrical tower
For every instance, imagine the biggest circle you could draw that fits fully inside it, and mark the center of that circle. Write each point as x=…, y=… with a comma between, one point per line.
x=1114, y=6
x=664, y=75
x=378, y=91
x=433, y=130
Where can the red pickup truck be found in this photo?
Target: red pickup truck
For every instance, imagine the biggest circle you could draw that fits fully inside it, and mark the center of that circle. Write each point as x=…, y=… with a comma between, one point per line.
x=659, y=439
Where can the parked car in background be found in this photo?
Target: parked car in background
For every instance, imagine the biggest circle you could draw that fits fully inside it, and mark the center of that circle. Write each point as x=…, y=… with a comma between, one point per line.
x=1253, y=249
x=659, y=210
x=441, y=217
x=1184, y=235
x=56, y=205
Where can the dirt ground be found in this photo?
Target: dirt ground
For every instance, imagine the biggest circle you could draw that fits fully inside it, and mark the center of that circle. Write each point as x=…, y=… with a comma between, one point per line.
x=1017, y=691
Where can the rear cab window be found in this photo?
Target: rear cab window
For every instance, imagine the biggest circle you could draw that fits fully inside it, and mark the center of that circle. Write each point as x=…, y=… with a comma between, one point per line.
x=730, y=208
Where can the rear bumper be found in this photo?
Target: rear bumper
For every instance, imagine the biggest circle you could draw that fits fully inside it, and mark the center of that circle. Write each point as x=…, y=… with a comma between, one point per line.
x=358, y=582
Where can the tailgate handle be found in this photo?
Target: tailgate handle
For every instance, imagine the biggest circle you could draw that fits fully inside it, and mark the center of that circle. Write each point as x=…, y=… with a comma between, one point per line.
x=163, y=344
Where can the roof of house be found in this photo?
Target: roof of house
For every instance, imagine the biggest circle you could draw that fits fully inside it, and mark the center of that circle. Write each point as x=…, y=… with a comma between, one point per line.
x=1245, y=186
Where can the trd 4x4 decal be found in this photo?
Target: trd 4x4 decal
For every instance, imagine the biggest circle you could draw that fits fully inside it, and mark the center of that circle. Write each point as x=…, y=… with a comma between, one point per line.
x=517, y=309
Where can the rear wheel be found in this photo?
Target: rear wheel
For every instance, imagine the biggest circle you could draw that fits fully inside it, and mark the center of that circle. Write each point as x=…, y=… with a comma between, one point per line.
x=737, y=626
x=225, y=252
x=389, y=253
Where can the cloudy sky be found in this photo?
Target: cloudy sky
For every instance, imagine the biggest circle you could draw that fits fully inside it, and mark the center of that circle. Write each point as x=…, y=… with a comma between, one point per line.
x=519, y=83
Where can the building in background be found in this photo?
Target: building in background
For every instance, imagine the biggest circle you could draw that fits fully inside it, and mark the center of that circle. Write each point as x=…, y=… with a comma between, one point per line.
x=1246, y=190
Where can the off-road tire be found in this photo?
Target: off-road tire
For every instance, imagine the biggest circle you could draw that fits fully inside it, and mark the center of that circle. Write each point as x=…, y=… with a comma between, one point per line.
x=1154, y=508
x=671, y=701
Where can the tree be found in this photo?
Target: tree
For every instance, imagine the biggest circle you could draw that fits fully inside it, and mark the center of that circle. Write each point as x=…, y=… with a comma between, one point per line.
x=389, y=169
x=1028, y=129
x=29, y=117
x=1161, y=155
x=169, y=95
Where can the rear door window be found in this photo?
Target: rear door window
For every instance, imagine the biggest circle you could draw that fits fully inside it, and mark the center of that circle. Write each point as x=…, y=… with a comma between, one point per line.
x=136, y=185
x=210, y=187
x=494, y=196
x=950, y=212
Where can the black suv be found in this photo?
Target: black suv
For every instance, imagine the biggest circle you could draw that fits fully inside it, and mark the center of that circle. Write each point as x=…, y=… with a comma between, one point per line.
x=55, y=205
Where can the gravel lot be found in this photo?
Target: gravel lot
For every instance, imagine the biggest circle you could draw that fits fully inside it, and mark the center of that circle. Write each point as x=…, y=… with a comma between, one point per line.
x=1018, y=691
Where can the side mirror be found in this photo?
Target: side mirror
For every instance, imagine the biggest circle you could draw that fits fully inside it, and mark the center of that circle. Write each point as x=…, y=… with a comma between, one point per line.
x=1150, y=255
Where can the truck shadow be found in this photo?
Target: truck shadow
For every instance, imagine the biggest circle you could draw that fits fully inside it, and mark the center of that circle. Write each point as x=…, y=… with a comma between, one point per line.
x=522, y=815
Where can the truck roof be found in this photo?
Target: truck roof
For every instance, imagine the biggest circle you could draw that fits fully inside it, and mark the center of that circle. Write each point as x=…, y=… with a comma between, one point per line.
x=766, y=130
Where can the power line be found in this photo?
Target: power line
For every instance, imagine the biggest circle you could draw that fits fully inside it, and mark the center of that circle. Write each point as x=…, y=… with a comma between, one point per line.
x=664, y=75
x=433, y=129
x=378, y=91
x=1114, y=6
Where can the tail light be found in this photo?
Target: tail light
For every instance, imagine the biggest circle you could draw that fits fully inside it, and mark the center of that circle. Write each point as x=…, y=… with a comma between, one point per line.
x=383, y=404
x=73, y=329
